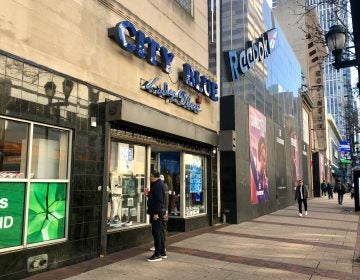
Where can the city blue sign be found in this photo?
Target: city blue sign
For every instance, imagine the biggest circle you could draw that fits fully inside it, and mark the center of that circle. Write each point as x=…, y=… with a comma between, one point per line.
x=137, y=47
x=135, y=41
x=200, y=83
x=179, y=97
x=239, y=62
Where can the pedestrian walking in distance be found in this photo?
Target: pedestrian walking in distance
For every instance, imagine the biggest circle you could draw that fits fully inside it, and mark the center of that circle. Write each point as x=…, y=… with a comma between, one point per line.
x=323, y=188
x=330, y=190
x=301, y=195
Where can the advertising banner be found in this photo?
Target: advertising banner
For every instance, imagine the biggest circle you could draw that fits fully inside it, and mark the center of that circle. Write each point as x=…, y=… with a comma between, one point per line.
x=305, y=163
x=295, y=169
x=280, y=163
x=345, y=152
x=259, y=183
x=11, y=214
x=322, y=167
x=47, y=207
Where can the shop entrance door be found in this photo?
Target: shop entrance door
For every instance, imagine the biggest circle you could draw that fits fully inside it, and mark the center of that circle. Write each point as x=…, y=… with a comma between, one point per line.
x=167, y=162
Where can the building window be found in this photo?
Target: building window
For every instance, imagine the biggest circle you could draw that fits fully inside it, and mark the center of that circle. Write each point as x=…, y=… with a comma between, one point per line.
x=126, y=201
x=34, y=183
x=186, y=5
x=194, y=185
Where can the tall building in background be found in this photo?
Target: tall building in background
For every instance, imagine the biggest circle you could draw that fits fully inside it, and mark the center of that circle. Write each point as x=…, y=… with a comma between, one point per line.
x=337, y=83
x=262, y=148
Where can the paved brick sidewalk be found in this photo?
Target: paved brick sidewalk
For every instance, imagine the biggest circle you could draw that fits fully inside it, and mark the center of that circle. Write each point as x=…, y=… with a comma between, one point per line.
x=281, y=245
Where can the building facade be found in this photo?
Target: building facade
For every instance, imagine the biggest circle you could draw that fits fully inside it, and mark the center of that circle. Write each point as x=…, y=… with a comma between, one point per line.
x=261, y=123
x=337, y=83
x=334, y=169
x=94, y=96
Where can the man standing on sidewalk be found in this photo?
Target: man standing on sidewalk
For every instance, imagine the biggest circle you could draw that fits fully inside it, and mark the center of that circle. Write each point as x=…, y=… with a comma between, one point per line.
x=301, y=195
x=156, y=211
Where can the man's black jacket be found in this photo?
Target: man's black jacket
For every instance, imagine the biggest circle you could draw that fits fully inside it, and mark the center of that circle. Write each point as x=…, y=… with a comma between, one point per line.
x=156, y=198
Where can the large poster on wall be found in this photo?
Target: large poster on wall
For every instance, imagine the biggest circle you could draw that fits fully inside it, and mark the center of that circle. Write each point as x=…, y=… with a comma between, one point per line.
x=305, y=163
x=295, y=168
x=280, y=163
x=259, y=183
x=11, y=214
x=47, y=209
x=322, y=167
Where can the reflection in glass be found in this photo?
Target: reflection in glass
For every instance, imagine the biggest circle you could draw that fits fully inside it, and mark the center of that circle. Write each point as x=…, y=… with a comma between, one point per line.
x=14, y=68
x=194, y=185
x=126, y=201
x=13, y=149
x=49, y=153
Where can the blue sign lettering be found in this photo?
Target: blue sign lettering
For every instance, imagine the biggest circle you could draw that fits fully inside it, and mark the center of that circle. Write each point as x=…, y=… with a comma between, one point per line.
x=180, y=97
x=124, y=28
x=199, y=82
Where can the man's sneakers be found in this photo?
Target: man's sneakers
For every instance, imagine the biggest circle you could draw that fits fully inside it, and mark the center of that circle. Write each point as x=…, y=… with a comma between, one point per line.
x=155, y=258
x=164, y=256
x=306, y=213
x=300, y=215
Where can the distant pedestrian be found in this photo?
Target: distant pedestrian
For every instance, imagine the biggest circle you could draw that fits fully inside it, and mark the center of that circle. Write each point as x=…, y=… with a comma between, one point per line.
x=352, y=191
x=330, y=190
x=341, y=190
x=323, y=188
x=301, y=195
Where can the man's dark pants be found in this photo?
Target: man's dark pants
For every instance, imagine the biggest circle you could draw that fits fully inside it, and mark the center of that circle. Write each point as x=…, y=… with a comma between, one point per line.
x=301, y=201
x=340, y=197
x=156, y=228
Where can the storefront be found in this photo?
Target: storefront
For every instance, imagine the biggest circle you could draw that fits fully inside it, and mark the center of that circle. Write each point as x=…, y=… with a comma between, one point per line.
x=83, y=125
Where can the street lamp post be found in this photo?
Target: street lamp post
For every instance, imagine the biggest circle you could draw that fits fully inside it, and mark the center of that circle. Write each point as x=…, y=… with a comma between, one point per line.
x=335, y=40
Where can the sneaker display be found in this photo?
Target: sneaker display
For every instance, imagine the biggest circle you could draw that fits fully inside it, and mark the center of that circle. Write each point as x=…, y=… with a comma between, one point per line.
x=306, y=213
x=154, y=258
x=300, y=215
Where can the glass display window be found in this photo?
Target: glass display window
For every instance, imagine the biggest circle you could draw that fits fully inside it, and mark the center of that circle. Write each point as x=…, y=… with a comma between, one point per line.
x=126, y=200
x=49, y=153
x=34, y=183
x=13, y=148
x=195, y=193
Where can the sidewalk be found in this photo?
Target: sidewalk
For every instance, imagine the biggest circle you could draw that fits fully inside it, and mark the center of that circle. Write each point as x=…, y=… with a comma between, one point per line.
x=280, y=245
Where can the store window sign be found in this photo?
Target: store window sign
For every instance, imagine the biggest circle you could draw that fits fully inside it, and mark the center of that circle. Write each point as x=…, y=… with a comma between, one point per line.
x=179, y=97
x=11, y=214
x=195, y=178
x=47, y=209
x=137, y=46
x=239, y=62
